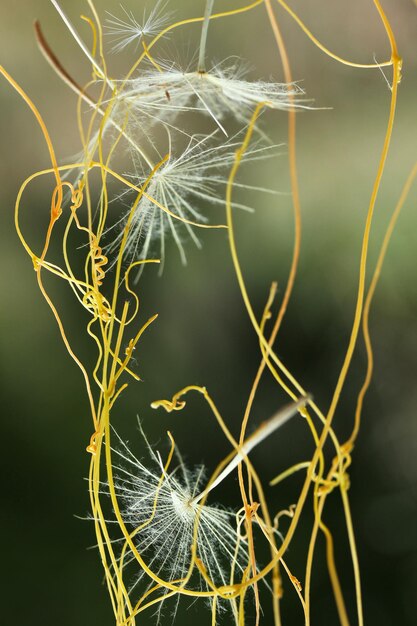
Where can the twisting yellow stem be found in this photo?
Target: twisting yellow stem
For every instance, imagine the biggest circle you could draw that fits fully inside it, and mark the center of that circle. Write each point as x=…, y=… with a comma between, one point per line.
x=367, y=307
x=323, y=48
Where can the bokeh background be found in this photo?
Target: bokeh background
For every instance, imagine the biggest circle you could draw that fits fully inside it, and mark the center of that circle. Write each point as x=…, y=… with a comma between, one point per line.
x=203, y=336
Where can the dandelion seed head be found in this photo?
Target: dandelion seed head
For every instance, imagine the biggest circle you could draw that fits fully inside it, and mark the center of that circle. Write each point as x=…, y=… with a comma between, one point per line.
x=127, y=30
x=160, y=506
x=188, y=185
x=220, y=92
x=184, y=508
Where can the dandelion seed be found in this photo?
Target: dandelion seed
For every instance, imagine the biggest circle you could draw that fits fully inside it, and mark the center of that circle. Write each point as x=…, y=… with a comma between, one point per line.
x=125, y=31
x=165, y=543
x=219, y=92
x=185, y=185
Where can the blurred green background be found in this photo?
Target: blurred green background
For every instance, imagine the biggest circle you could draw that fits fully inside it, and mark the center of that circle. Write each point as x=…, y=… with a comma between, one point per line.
x=203, y=335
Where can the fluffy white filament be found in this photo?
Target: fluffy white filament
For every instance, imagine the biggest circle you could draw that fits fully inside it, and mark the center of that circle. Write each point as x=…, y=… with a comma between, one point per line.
x=165, y=543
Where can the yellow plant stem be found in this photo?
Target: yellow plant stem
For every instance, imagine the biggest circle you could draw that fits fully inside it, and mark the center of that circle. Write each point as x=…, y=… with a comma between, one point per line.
x=371, y=291
x=289, y=472
x=396, y=62
x=288, y=290
x=330, y=564
x=56, y=210
x=103, y=538
x=323, y=48
x=44, y=130
x=334, y=577
x=293, y=171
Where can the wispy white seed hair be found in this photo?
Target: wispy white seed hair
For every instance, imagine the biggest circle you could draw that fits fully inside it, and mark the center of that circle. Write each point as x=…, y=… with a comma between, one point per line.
x=187, y=185
x=219, y=92
x=165, y=543
x=127, y=30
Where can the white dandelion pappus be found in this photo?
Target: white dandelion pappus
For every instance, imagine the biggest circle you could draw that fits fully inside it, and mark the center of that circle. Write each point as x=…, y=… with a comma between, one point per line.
x=221, y=91
x=180, y=185
x=165, y=542
x=127, y=30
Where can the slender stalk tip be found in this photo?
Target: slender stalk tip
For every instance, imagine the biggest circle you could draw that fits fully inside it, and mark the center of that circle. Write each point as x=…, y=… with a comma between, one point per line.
x=203, y=41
